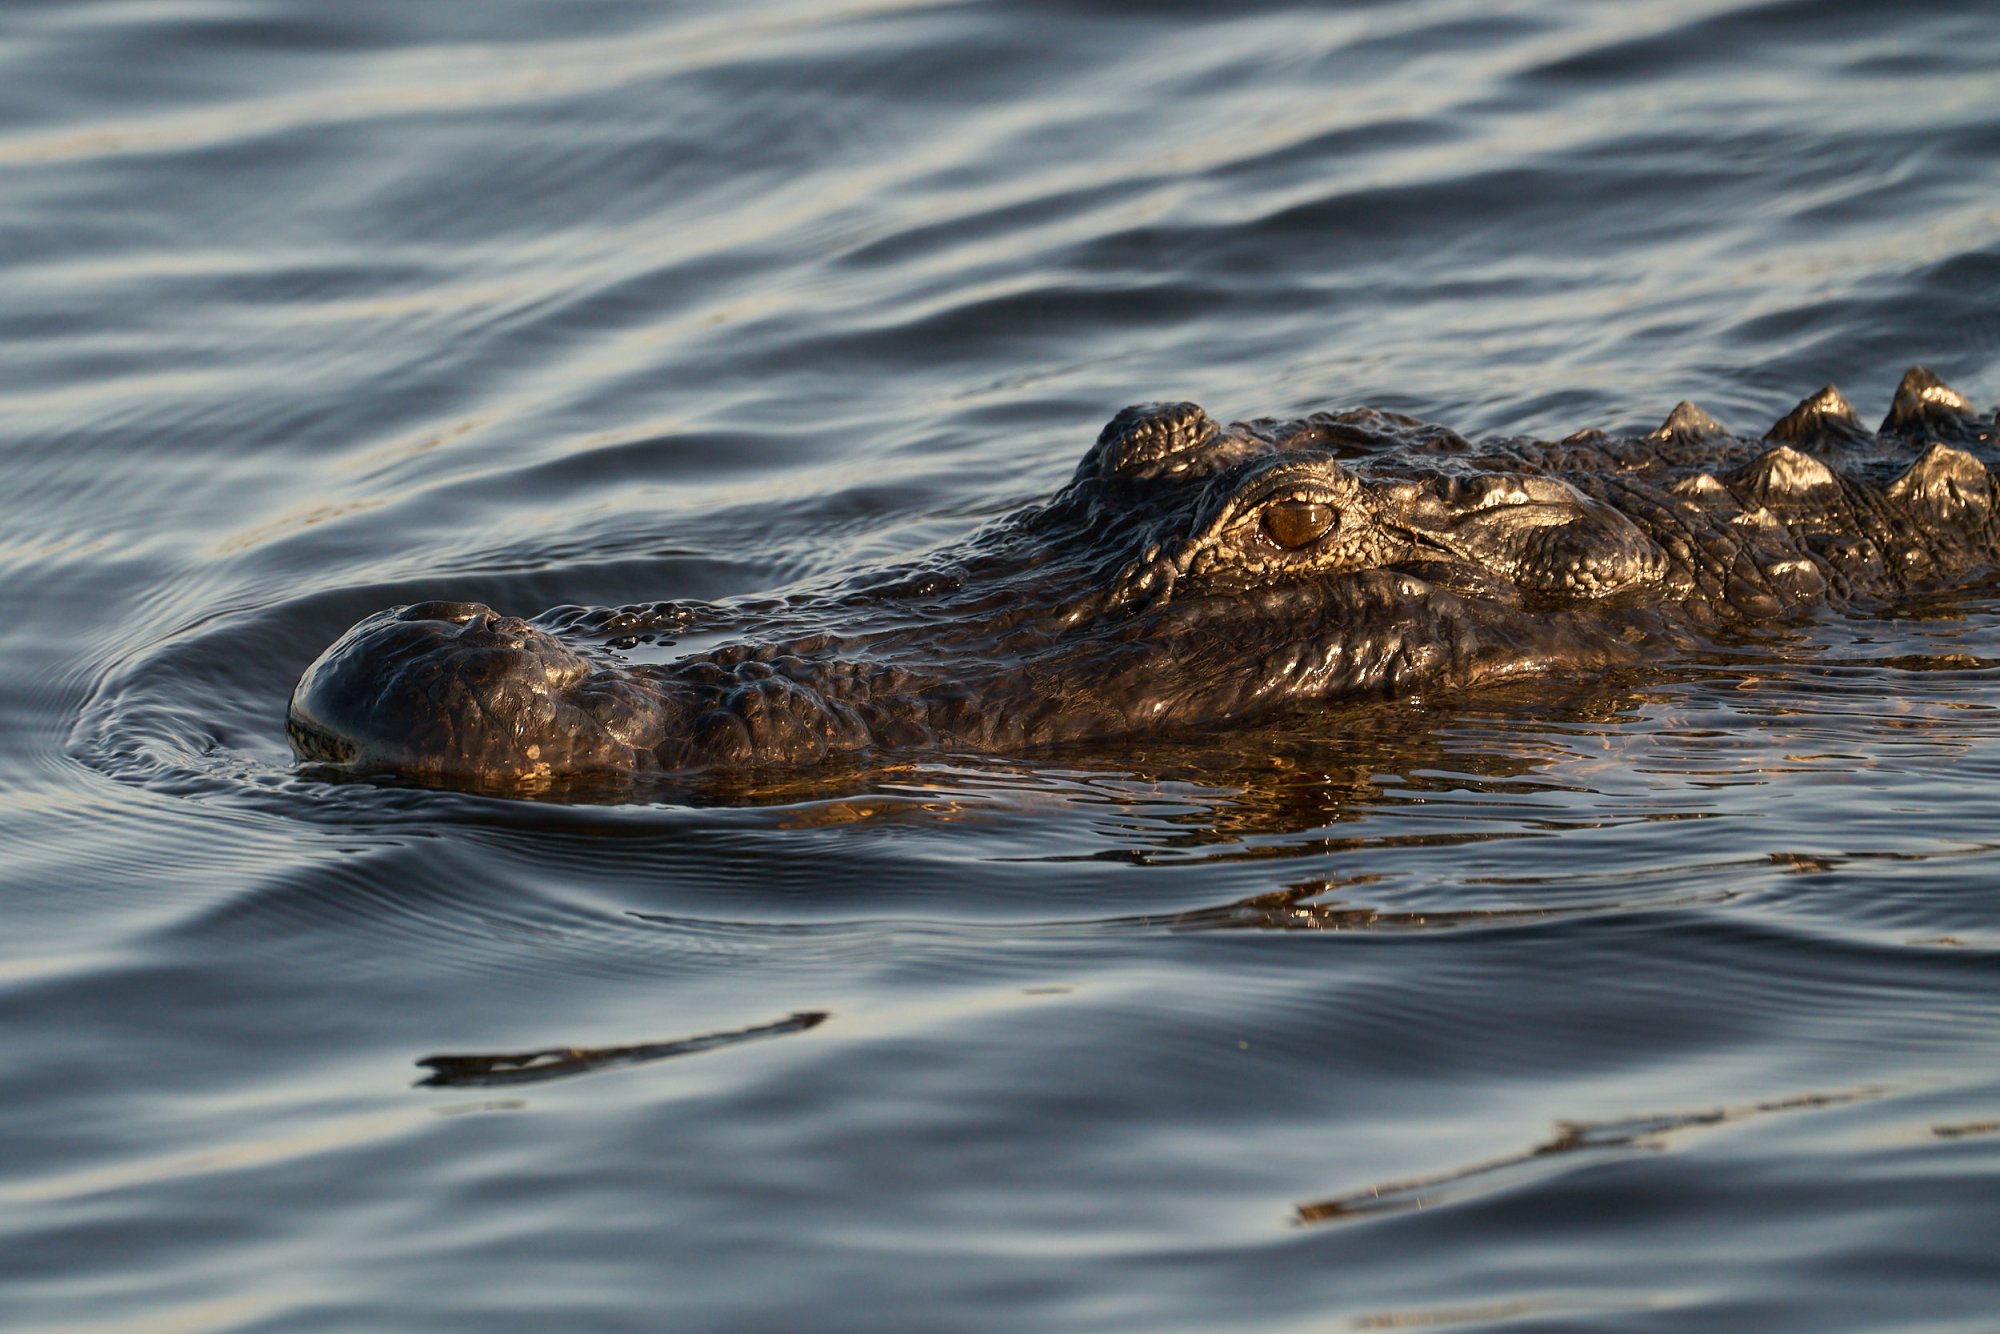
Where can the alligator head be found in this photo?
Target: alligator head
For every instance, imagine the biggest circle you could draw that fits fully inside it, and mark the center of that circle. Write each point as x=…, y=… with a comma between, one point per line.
x=1188, y=577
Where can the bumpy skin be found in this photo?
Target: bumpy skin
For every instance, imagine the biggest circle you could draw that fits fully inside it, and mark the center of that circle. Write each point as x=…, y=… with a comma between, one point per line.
x=1191, y=576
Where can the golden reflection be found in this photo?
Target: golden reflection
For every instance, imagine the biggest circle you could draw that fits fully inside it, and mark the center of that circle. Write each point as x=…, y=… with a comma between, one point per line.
x=1222, y=796
x=1453, y=1315
x=324, y=1136
x=1571, y=1137
x=408, y=447
x=73, y=547
x=1536, y=760
x=196, y=1317
x=303, y=516
x=83, y=400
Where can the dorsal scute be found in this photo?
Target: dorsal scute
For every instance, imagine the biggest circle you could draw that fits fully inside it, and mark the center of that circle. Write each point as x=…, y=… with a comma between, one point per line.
x=1946, y=486
x=1688, y=422
x=1700, y=486
x=1926, y=405
x=1818, y=417
x=1782, y=477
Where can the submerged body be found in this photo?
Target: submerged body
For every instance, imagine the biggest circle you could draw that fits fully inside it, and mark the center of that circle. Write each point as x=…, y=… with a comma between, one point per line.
x=1191, y=576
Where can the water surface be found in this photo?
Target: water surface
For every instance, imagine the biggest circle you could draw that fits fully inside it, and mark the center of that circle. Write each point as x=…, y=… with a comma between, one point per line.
x=1662, y=1001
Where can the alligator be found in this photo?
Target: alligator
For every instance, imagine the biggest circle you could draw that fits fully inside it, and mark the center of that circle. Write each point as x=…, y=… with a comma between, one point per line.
x=1193, y=577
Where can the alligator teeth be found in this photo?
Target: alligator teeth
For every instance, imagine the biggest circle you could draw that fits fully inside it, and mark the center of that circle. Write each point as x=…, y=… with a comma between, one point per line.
x=1688, y=422
x=1820, y=416
x=1924, y=402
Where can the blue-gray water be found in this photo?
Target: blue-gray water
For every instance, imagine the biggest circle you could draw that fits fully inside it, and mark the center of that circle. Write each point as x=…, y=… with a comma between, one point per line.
x=1666, y=1002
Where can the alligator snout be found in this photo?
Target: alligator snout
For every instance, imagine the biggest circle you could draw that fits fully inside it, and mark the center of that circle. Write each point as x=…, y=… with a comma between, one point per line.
x=446, y=690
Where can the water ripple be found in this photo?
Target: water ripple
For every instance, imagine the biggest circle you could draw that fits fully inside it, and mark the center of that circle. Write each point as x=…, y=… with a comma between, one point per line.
x=310, y=310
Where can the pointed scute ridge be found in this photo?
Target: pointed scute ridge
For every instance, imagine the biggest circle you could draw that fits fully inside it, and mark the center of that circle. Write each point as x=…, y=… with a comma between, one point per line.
x=1782, y=475
x=1946, y=486
x=1700, y=484
x=1924, y=401
x=1688, y=422
x=1818, y=416
x=1783, y=481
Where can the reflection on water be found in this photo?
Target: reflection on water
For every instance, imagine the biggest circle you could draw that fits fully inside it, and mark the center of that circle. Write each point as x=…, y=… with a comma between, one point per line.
x=1572, y=1138
x=310, y=310
x=1304, y=908
x=532, y=1067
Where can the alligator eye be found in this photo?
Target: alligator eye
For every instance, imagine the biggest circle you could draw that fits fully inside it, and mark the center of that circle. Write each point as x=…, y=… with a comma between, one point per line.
x=1296, y=523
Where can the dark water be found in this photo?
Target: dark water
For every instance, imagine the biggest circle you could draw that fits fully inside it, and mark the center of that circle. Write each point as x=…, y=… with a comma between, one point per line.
x=1665, y=1002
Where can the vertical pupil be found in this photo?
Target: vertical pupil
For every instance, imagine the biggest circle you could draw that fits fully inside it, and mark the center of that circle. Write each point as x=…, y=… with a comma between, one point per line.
x=1294, y=523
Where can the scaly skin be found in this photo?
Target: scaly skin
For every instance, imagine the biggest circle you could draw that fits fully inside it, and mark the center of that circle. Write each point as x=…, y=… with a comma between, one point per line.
x=1190, y=577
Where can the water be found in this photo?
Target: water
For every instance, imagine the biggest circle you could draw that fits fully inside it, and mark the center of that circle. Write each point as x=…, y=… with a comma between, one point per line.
x=1660, y=1002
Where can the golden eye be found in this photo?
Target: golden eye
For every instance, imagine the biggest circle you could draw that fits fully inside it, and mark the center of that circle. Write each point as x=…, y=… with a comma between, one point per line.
x=1296, y=523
